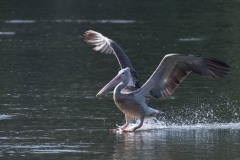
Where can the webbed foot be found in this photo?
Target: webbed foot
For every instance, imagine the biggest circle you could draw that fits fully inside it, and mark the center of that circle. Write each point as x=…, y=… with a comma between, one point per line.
x=120, y=130
x=117, y=130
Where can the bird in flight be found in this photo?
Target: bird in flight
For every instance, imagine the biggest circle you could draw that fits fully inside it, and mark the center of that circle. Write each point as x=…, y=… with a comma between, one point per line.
x=130, y=97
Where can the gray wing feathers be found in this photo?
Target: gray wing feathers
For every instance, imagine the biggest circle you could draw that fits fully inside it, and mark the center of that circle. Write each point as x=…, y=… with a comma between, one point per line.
x=174, y=68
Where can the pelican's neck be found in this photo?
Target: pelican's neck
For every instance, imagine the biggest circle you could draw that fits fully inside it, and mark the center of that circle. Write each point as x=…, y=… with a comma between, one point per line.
x=120, y=86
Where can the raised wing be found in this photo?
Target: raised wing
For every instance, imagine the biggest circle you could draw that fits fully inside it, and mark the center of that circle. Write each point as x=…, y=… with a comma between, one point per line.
x=174, y=68
x=108, y=46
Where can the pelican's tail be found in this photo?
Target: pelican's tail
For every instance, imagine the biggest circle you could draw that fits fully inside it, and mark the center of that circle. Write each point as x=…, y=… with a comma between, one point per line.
x=150, y=112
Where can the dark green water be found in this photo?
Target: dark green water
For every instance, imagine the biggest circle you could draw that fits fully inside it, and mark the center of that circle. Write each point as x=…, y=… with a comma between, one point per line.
x=49, y=78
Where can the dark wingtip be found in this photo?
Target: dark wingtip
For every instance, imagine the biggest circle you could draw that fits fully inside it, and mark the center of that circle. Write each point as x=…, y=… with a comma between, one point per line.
x=218, y=62
x=217, y=68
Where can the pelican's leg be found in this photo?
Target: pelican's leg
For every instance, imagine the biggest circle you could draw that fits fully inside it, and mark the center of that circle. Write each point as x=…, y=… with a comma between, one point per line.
x=139, y=125
x=121, y=129
x=128, y=119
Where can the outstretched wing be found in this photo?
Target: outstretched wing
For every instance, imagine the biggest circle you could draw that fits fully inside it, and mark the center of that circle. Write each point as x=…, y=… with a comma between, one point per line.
x=108, y=46
x=174, y=68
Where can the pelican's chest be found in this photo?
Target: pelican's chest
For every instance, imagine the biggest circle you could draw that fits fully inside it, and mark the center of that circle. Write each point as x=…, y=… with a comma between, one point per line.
x=121, y=99
x=129, y=105
x=125, y=101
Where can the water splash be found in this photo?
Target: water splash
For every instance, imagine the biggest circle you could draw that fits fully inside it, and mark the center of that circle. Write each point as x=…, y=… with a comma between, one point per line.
x=154, y=124
x=224, y=115
x=149, y=124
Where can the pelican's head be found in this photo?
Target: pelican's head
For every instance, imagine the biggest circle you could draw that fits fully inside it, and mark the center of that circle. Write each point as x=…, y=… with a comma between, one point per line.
x=122, y=76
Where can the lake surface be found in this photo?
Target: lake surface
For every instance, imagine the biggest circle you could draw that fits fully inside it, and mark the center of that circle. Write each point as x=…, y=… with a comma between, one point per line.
x=49, y=78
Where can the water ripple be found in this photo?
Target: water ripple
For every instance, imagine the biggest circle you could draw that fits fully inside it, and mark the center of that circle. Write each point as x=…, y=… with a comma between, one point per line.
x=4, y=116
x=97, y=21
x=58, y=151
x=20, y=21
x=191, y=39
x=116, y=21
x=9, y=33
x=46, y=148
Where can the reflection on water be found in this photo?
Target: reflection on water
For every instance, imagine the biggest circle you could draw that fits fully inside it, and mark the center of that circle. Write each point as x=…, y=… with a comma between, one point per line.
x=180, y=143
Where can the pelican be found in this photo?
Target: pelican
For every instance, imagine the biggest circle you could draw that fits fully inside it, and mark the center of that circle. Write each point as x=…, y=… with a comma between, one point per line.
x=130, y=97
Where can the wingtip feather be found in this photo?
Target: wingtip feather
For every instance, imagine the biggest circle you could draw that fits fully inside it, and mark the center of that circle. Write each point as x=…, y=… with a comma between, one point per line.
x=101, y=43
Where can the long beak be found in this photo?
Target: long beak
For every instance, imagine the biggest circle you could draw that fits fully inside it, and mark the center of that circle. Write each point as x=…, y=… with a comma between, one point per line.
x=115, y=81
